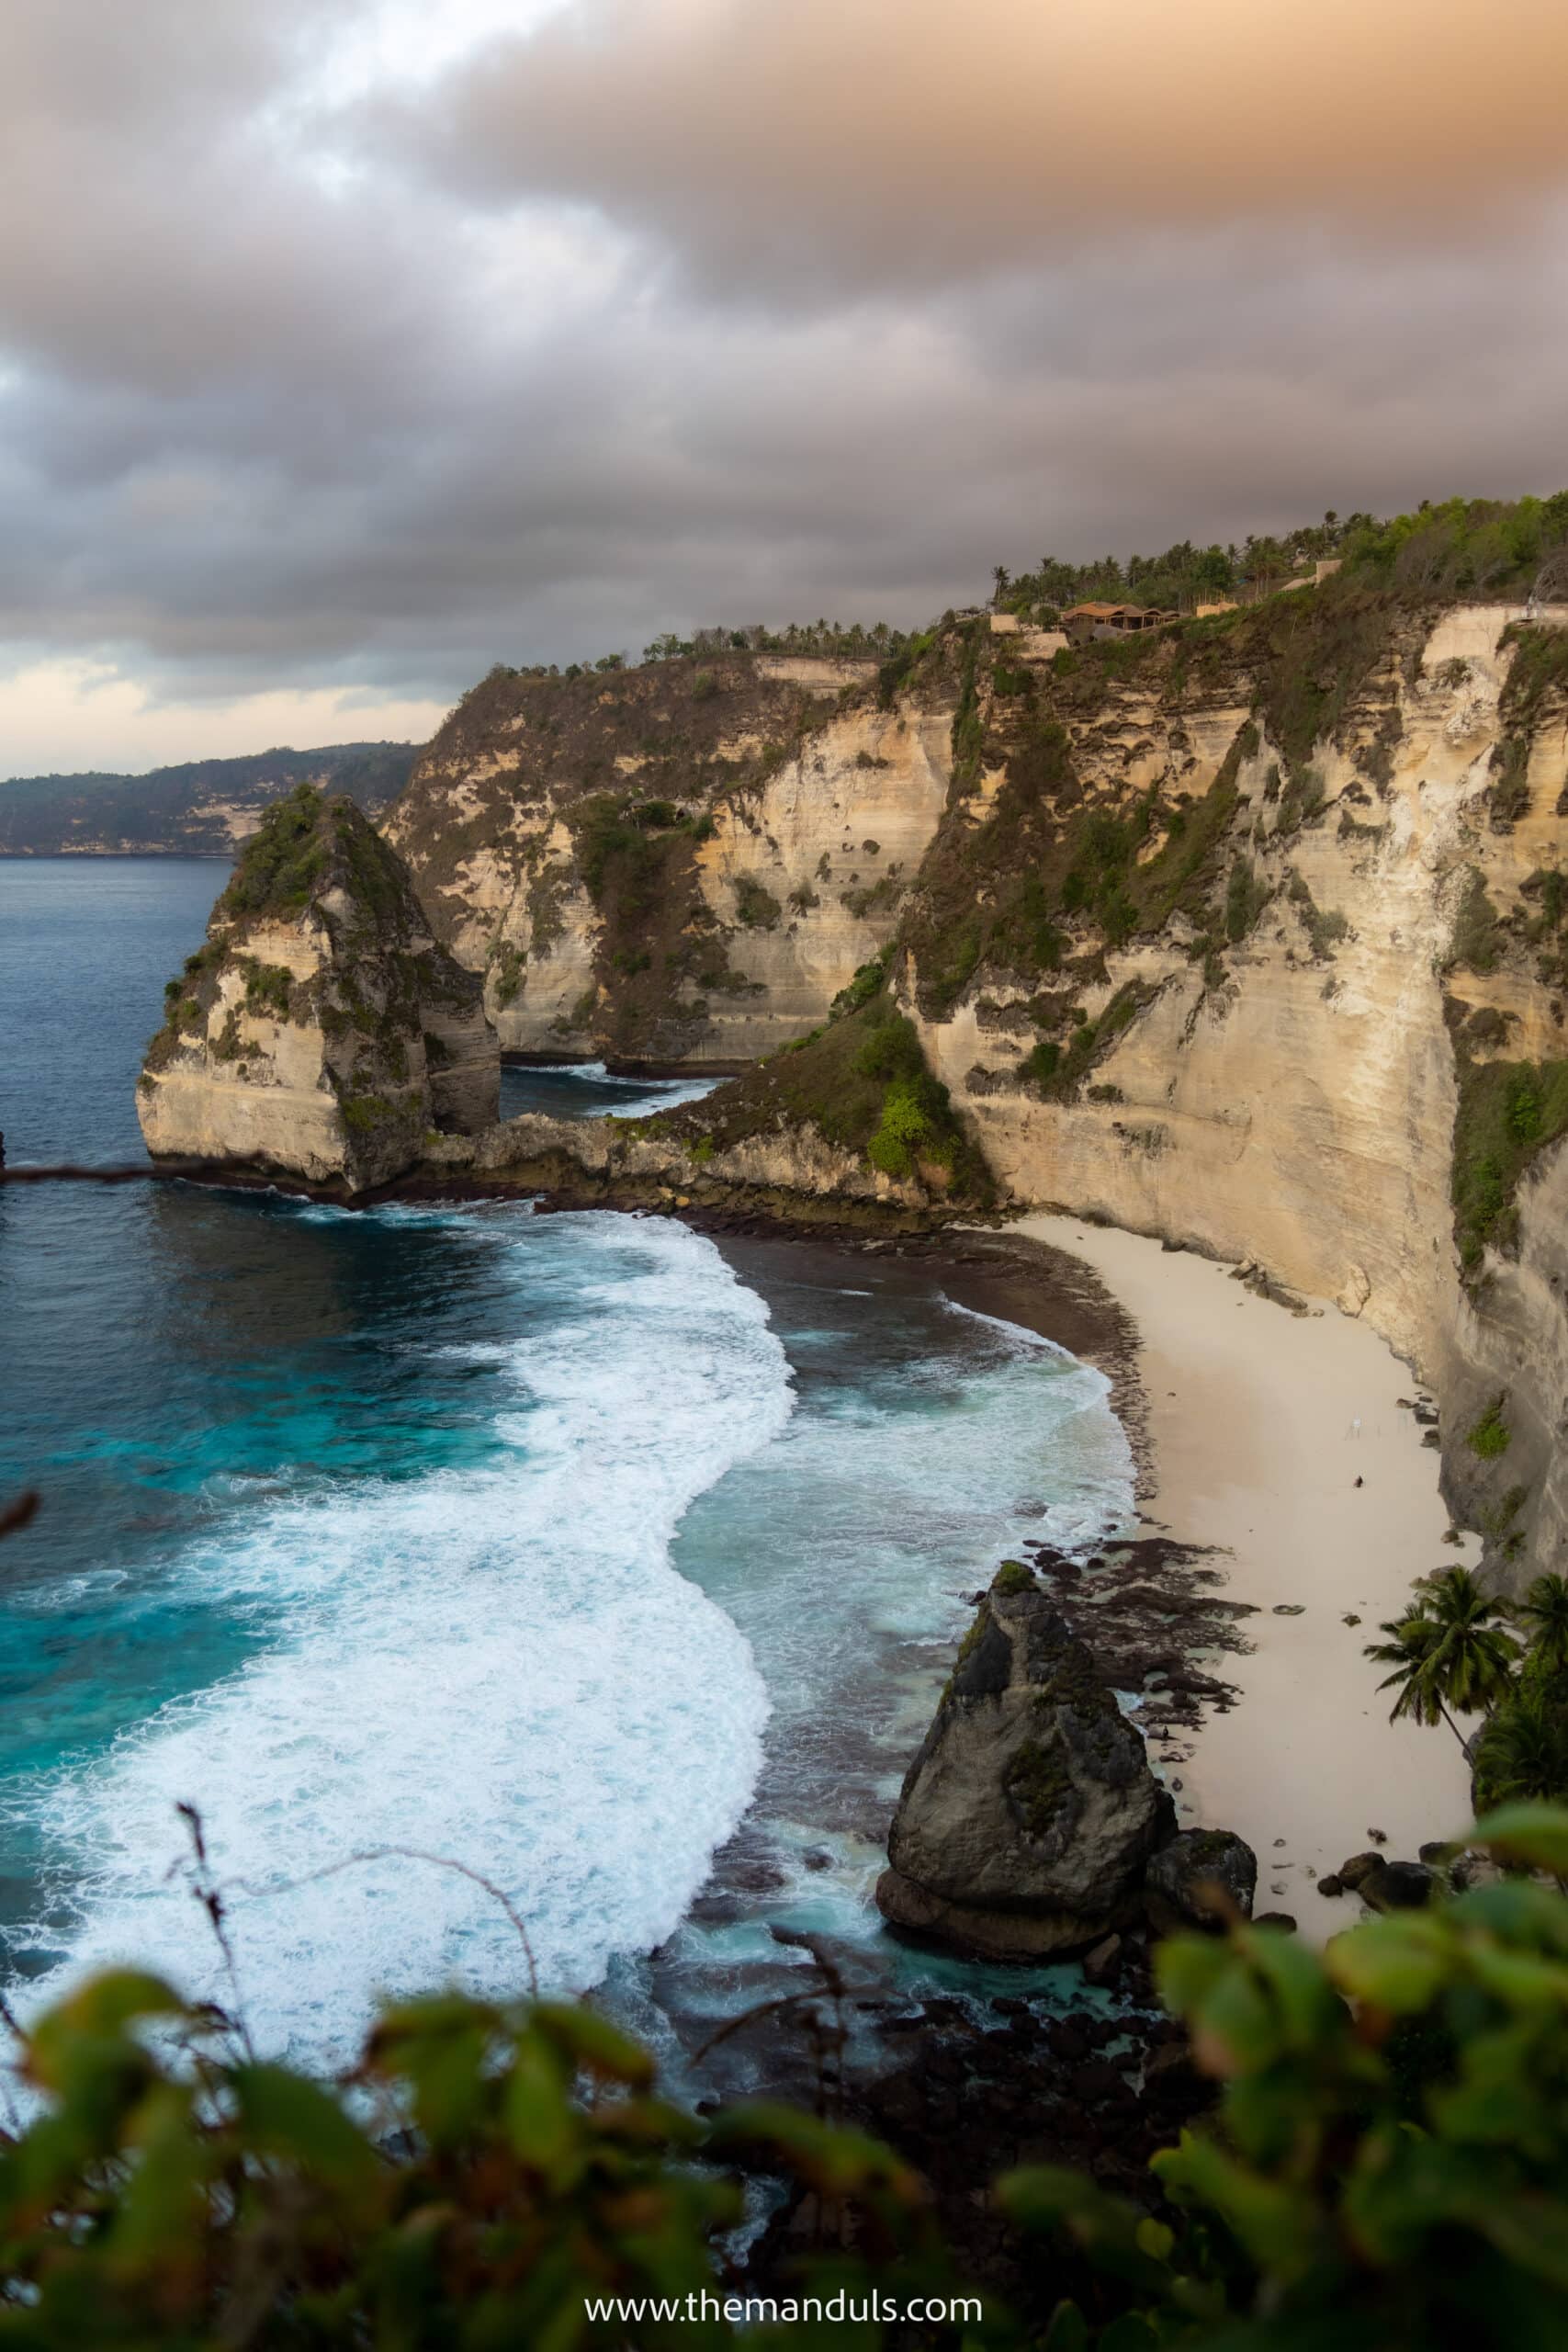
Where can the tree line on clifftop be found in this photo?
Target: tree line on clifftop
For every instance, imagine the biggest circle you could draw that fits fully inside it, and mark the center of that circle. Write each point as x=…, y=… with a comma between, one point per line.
x=1457, y=547
x=1462, y=547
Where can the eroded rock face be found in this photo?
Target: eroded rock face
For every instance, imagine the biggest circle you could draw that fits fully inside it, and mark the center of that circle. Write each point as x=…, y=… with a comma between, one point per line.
x=1309, y=1016
x=320, y=1031
x=1030, y=1813
x=684, y=862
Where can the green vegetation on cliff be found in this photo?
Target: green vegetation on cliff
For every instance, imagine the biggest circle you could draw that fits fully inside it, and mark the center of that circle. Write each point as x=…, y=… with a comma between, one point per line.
x=1462, y=547
x=862, y=1081
x=1509, y=1113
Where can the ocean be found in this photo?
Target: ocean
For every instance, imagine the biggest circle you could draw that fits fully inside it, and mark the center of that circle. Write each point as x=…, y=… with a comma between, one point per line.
x=574, y=1550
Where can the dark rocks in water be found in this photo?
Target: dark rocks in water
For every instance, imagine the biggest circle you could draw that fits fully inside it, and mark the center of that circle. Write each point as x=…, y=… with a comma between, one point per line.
x=1030, y=1812
x=1289, y=1608
x=1330, y=1884
x=1398, y=1886
x=817, y=1858
x=1096, y=2080
x=1202, y=1879
x=1378, y=1837
x=1359, y=1867
x=1276, y=1919
x=1436, y=1853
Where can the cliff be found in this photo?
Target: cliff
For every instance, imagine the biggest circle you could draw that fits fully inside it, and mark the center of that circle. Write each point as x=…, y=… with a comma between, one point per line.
x=1251, y=936
x=319, y=1031
x=1251, y=933
x=684, y=862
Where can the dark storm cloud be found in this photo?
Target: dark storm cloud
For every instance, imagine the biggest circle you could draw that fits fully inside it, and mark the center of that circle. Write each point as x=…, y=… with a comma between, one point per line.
x=907, y=142
x=703, y=310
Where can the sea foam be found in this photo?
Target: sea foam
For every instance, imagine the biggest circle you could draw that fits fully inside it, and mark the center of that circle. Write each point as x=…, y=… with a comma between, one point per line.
x=499, y=1666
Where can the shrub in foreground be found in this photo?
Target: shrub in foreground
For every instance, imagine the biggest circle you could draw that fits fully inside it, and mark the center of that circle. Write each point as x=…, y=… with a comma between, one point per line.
x=1387, y=2170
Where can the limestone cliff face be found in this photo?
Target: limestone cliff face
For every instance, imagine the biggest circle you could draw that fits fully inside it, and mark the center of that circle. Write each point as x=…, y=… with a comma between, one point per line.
x=319, y=1031
x=684, y=862
x=1284, y=977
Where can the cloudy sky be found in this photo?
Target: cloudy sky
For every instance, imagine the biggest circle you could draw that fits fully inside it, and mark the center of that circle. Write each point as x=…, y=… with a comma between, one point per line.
x=349, y=345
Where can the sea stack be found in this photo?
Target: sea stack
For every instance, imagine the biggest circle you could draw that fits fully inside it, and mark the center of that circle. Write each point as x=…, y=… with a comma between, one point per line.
x=1027, y=1818
x=321, y=1031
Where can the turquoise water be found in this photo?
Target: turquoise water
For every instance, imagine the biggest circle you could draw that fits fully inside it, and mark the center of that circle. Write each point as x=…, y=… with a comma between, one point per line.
x=563, y=1548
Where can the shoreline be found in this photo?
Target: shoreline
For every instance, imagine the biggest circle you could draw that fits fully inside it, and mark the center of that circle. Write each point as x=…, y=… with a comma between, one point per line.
x=1279, y=1442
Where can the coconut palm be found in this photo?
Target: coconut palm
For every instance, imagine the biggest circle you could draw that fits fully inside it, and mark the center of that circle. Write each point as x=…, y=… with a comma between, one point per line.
x=1523, y=1751
x=1544, y=1611
x=1408, y=1650
x=1447, y=1651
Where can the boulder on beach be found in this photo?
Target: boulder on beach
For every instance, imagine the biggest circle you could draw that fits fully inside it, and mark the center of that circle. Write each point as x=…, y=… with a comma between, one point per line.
x=1027, y=1818
x=1201, y=1879
x=1398, y=1886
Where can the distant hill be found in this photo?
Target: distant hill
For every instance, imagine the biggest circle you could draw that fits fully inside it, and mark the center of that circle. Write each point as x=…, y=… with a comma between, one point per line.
x=199, y=808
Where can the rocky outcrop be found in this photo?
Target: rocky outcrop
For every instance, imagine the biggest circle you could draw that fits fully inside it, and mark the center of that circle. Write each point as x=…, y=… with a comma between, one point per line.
x=682, y=862
x=320, y=1031
x=1028, y=1817
x=636, y=1163
x=1203, y=1878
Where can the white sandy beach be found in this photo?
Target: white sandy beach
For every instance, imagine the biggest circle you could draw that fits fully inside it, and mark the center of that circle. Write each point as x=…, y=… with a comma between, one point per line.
x=1260, y=1422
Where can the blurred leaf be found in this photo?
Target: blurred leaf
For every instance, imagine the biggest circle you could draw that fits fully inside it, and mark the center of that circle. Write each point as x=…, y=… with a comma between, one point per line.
x=835, y=2161
x=97, y=2013
x=1273, y=2222
x=540, y=2121
x=1532, y=1833
x=1129, y=2333
x=1398, y=1963
x=1186, y=1968
x=1516, y=1911
x=1068, y=2331
x=285, y=2115
x=1295, y=1976
x=590, y=2041
x=1234, y=2025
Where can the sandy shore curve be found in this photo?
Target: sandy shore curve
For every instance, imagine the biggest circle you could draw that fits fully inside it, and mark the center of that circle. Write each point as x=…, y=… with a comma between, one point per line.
x=1280, y=1440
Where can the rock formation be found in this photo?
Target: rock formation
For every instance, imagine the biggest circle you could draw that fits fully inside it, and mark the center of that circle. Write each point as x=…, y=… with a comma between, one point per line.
x=683, y=862
x=1203, y=1878
x=1028, y=1817
x=320, y=1031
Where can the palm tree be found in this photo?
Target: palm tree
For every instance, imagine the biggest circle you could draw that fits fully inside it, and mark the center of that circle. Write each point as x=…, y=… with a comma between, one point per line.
x=1447, y=1651
x=1544, y=1609
x=1523, y=1751
x=1408, y=1650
